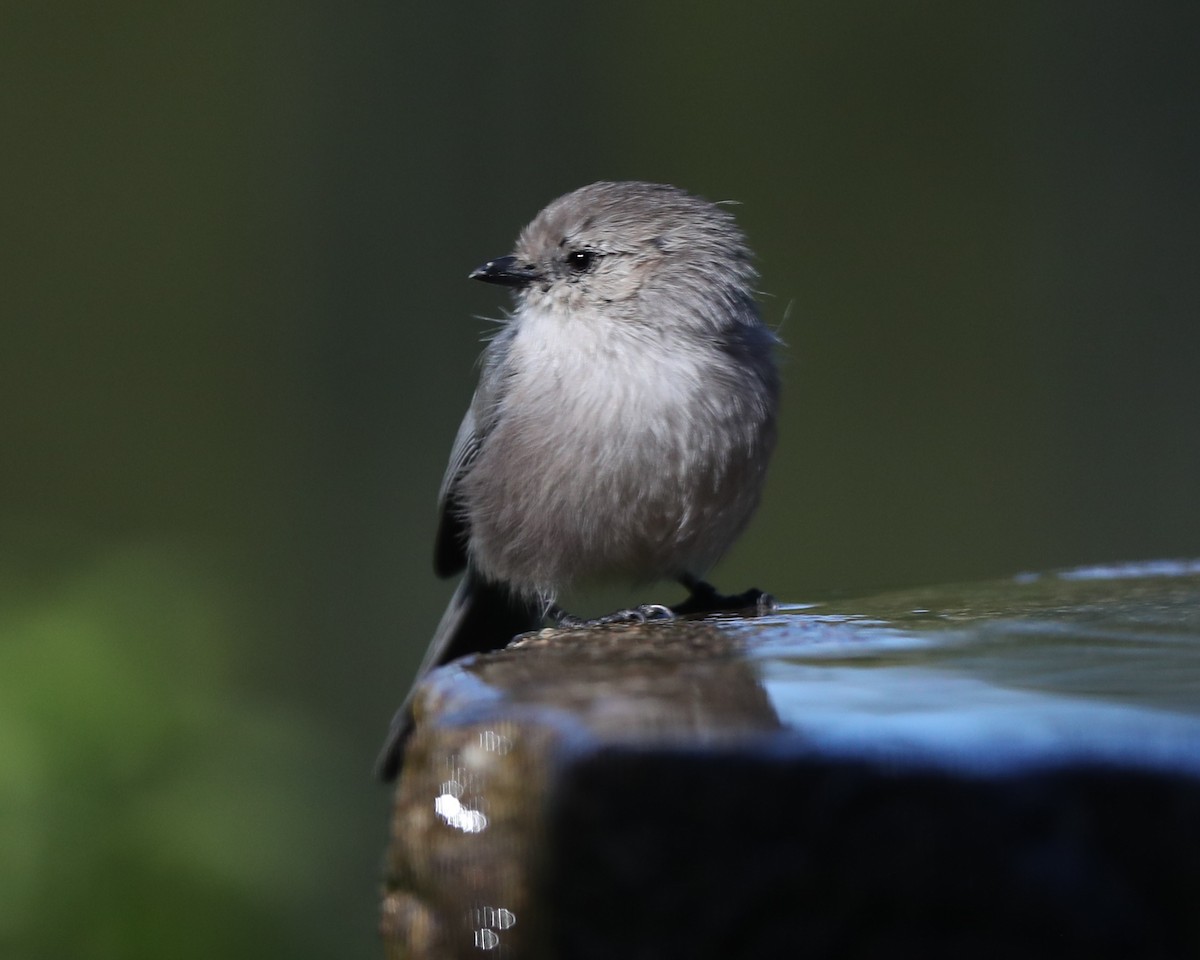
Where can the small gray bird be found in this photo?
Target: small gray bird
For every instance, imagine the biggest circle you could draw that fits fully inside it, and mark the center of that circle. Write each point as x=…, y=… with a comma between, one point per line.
x=622, y=425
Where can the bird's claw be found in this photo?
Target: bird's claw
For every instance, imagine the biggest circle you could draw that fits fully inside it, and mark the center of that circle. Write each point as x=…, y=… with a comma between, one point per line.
x=643, y=613
x=705, y=599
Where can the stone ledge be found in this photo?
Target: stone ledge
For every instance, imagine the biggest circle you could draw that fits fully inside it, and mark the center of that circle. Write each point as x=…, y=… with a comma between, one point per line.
x=1009, y=769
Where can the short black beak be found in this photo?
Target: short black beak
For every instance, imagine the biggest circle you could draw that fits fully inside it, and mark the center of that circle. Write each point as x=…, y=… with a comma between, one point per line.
x=506, y=271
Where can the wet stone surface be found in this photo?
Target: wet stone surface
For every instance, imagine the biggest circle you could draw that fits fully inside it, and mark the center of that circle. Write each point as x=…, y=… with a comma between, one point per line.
x=999, y=769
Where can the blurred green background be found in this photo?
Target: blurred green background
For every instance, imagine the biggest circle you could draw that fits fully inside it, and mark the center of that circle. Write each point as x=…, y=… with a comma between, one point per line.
x=238, y=336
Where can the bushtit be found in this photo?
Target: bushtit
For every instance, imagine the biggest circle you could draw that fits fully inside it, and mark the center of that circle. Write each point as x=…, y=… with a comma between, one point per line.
x=622, y=424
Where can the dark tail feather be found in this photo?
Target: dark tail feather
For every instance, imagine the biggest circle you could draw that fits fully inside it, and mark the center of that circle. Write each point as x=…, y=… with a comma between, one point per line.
x=480, y=617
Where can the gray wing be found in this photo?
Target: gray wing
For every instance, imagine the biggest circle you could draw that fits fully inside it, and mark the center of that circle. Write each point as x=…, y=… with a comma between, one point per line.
x=450, y=547
x=466, y=446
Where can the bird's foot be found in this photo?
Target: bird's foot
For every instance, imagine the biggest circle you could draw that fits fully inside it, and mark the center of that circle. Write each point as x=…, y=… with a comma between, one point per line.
x=643, y=613
x=705, y=599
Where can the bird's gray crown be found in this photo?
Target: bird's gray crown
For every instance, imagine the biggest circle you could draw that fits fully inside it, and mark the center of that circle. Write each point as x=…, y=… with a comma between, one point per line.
x=613, y=242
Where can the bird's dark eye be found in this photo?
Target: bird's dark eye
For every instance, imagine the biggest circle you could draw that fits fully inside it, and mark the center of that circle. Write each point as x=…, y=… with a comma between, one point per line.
x=580, y=261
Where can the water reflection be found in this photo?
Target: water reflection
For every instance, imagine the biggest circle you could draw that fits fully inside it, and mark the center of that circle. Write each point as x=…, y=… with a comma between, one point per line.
x=1099, y=663
x=451, y=810
x=489, y=922
x=459, y=799
x=947, y=719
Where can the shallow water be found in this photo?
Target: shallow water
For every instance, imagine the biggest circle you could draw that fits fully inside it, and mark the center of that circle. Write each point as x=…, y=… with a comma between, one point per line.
x=1098, y=664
